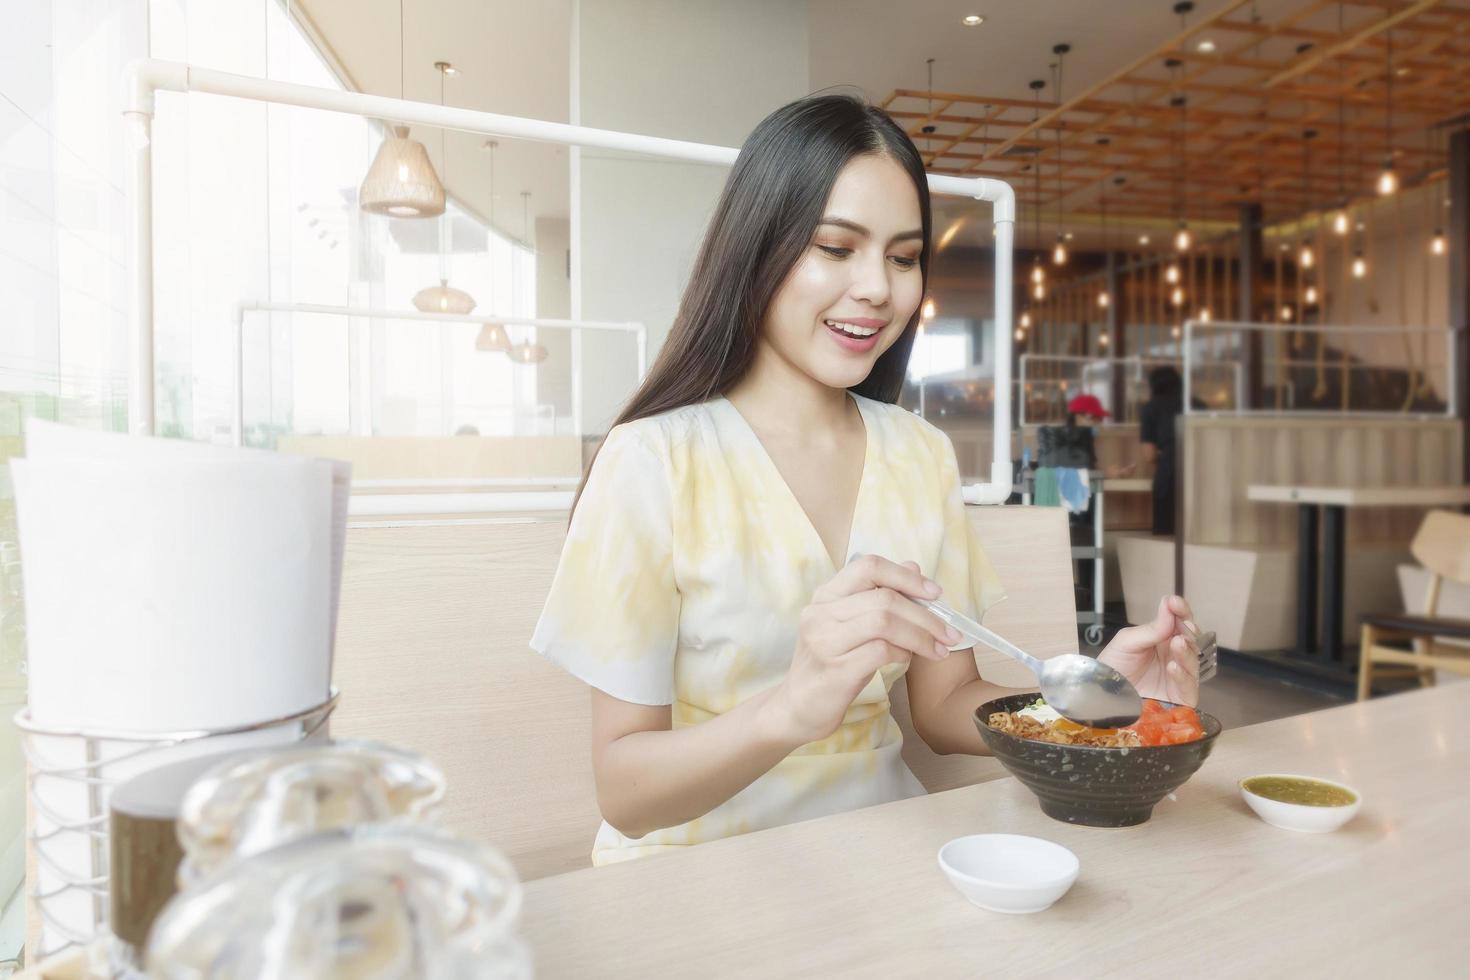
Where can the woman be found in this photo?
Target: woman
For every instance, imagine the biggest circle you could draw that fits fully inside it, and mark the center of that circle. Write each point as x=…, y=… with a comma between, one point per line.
x=739, y=664
x=1156, y=433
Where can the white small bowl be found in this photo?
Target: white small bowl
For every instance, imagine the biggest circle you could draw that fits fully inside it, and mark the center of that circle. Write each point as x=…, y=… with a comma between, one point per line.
x=1299, y=816
x=1009, y=872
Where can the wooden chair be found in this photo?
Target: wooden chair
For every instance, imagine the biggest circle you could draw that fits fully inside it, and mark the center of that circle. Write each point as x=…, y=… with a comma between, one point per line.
x=1442, y=546
x=432, y=654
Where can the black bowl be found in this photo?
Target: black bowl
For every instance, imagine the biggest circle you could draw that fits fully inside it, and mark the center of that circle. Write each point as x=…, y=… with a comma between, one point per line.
x=1091, y=785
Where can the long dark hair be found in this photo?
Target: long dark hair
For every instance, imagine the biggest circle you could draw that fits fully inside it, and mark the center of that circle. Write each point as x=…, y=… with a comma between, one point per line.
x=773, y=200
x=1165, y=384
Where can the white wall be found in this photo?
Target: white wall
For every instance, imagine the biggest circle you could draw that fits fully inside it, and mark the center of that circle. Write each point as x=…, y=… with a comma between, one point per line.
x=703, y=70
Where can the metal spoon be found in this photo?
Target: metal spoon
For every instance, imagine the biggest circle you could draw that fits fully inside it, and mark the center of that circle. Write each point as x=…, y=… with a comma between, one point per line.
x=1079, y=688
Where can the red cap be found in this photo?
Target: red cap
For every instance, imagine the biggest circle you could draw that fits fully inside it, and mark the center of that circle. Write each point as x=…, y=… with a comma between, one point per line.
x=1088, y=405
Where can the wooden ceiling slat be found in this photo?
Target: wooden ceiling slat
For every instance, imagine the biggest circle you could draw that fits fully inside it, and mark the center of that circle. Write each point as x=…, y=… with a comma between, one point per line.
x=1350, y=42
x=1232, y=153
x=1124, y=72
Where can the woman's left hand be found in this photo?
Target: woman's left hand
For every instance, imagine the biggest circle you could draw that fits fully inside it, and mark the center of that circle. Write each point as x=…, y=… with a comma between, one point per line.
x=1159, y=658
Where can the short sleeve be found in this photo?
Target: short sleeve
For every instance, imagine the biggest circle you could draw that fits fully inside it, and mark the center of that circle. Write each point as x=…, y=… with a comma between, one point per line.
x=963, y=571
x=612, y=617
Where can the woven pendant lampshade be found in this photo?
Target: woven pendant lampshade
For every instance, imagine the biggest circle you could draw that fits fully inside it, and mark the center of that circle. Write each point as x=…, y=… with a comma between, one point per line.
x=401, y=182
x=528, y=353
x=493, y=338
x=443, y=298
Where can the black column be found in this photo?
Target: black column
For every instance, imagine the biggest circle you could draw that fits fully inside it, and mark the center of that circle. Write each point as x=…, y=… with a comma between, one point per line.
x=1458, y=233
x=1306, y=579
x=1252, y=262
x=1113, y=323
x=1334, y=555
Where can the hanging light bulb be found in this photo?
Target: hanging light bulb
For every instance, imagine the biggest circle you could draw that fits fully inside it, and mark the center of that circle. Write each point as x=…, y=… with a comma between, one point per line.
x=492, y=338
x=1102, y=340
x=1388, y=179
x=528, y=353
x=1182, y=239
x=1204, y=315
x=1059, y=252
x=1104, y=300
x=1025, y=319
x=1175, y=332
x=1177, y=296
x=1143, y=239
x=1438, y=245
x=1310, y=296
x=1038, y=291
x=1038, y=274
x=928, y=311
x=1020, y=335
x=401, y=181
x=1360, y=266
x=443, y=298
x=1340, y=223
x=1171, y=274
x=1286, y=313
x=1307, y=258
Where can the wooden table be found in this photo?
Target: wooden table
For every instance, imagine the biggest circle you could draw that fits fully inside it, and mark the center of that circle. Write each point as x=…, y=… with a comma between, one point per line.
x=1332, y=502
x=1128, y=484
x=1203, y=889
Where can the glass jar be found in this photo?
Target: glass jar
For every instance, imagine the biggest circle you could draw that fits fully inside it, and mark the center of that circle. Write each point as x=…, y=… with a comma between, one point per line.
x=371, y=903
x=262, y=799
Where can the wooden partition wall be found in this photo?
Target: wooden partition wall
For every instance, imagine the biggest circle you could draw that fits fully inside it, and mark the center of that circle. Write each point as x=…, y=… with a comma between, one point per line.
x=437, y=457
x=1224, y=455
x=432, y=654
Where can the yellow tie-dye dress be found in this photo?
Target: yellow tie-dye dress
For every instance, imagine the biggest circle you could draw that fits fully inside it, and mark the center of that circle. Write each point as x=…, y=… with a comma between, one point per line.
x=686, y=566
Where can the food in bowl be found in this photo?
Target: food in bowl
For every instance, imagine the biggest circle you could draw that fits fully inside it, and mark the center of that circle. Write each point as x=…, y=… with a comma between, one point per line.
x=1096, y=785
x=1299, y=789
x=1300, y=802
x=1158, y=725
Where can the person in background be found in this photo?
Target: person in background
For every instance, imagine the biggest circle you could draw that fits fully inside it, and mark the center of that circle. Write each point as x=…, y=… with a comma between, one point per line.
x=1156, y=433
x=1087, y=410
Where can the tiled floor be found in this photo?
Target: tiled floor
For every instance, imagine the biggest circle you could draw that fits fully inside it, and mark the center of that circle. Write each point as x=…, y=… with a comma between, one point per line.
x=1238, y=698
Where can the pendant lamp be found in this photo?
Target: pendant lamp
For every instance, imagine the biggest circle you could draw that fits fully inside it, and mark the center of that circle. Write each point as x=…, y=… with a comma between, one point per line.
x=401, y=182
x=493, y=338
x=528, y=353
x=443, y=298
x=1388, y=178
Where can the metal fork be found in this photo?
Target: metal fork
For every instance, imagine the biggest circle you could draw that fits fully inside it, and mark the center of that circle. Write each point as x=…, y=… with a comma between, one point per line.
x=1208, y=650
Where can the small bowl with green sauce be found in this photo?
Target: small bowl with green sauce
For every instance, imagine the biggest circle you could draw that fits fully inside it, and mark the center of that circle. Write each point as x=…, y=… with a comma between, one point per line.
x=1303, y=803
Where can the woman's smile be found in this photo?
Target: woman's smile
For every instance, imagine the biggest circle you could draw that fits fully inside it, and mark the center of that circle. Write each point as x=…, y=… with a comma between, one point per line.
x=856, y=334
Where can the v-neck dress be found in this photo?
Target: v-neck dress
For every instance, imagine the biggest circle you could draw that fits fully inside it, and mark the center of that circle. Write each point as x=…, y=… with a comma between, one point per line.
x=685, y=569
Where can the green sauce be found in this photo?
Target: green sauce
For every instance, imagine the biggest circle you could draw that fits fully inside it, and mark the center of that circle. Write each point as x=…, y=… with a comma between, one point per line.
x=1297, y=789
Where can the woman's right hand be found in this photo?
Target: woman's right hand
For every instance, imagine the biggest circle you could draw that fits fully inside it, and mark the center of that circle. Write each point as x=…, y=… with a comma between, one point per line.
x=859, y=621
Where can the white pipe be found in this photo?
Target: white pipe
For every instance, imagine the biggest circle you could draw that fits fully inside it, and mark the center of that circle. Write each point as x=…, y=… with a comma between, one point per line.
x=574, y=211
x=146, y=76
x=457, y=503
x=999, y=487
x=639, y=331
x=470, y=482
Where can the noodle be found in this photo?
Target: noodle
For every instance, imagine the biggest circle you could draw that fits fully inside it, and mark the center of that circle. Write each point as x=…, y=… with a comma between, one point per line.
x=1023, y=726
